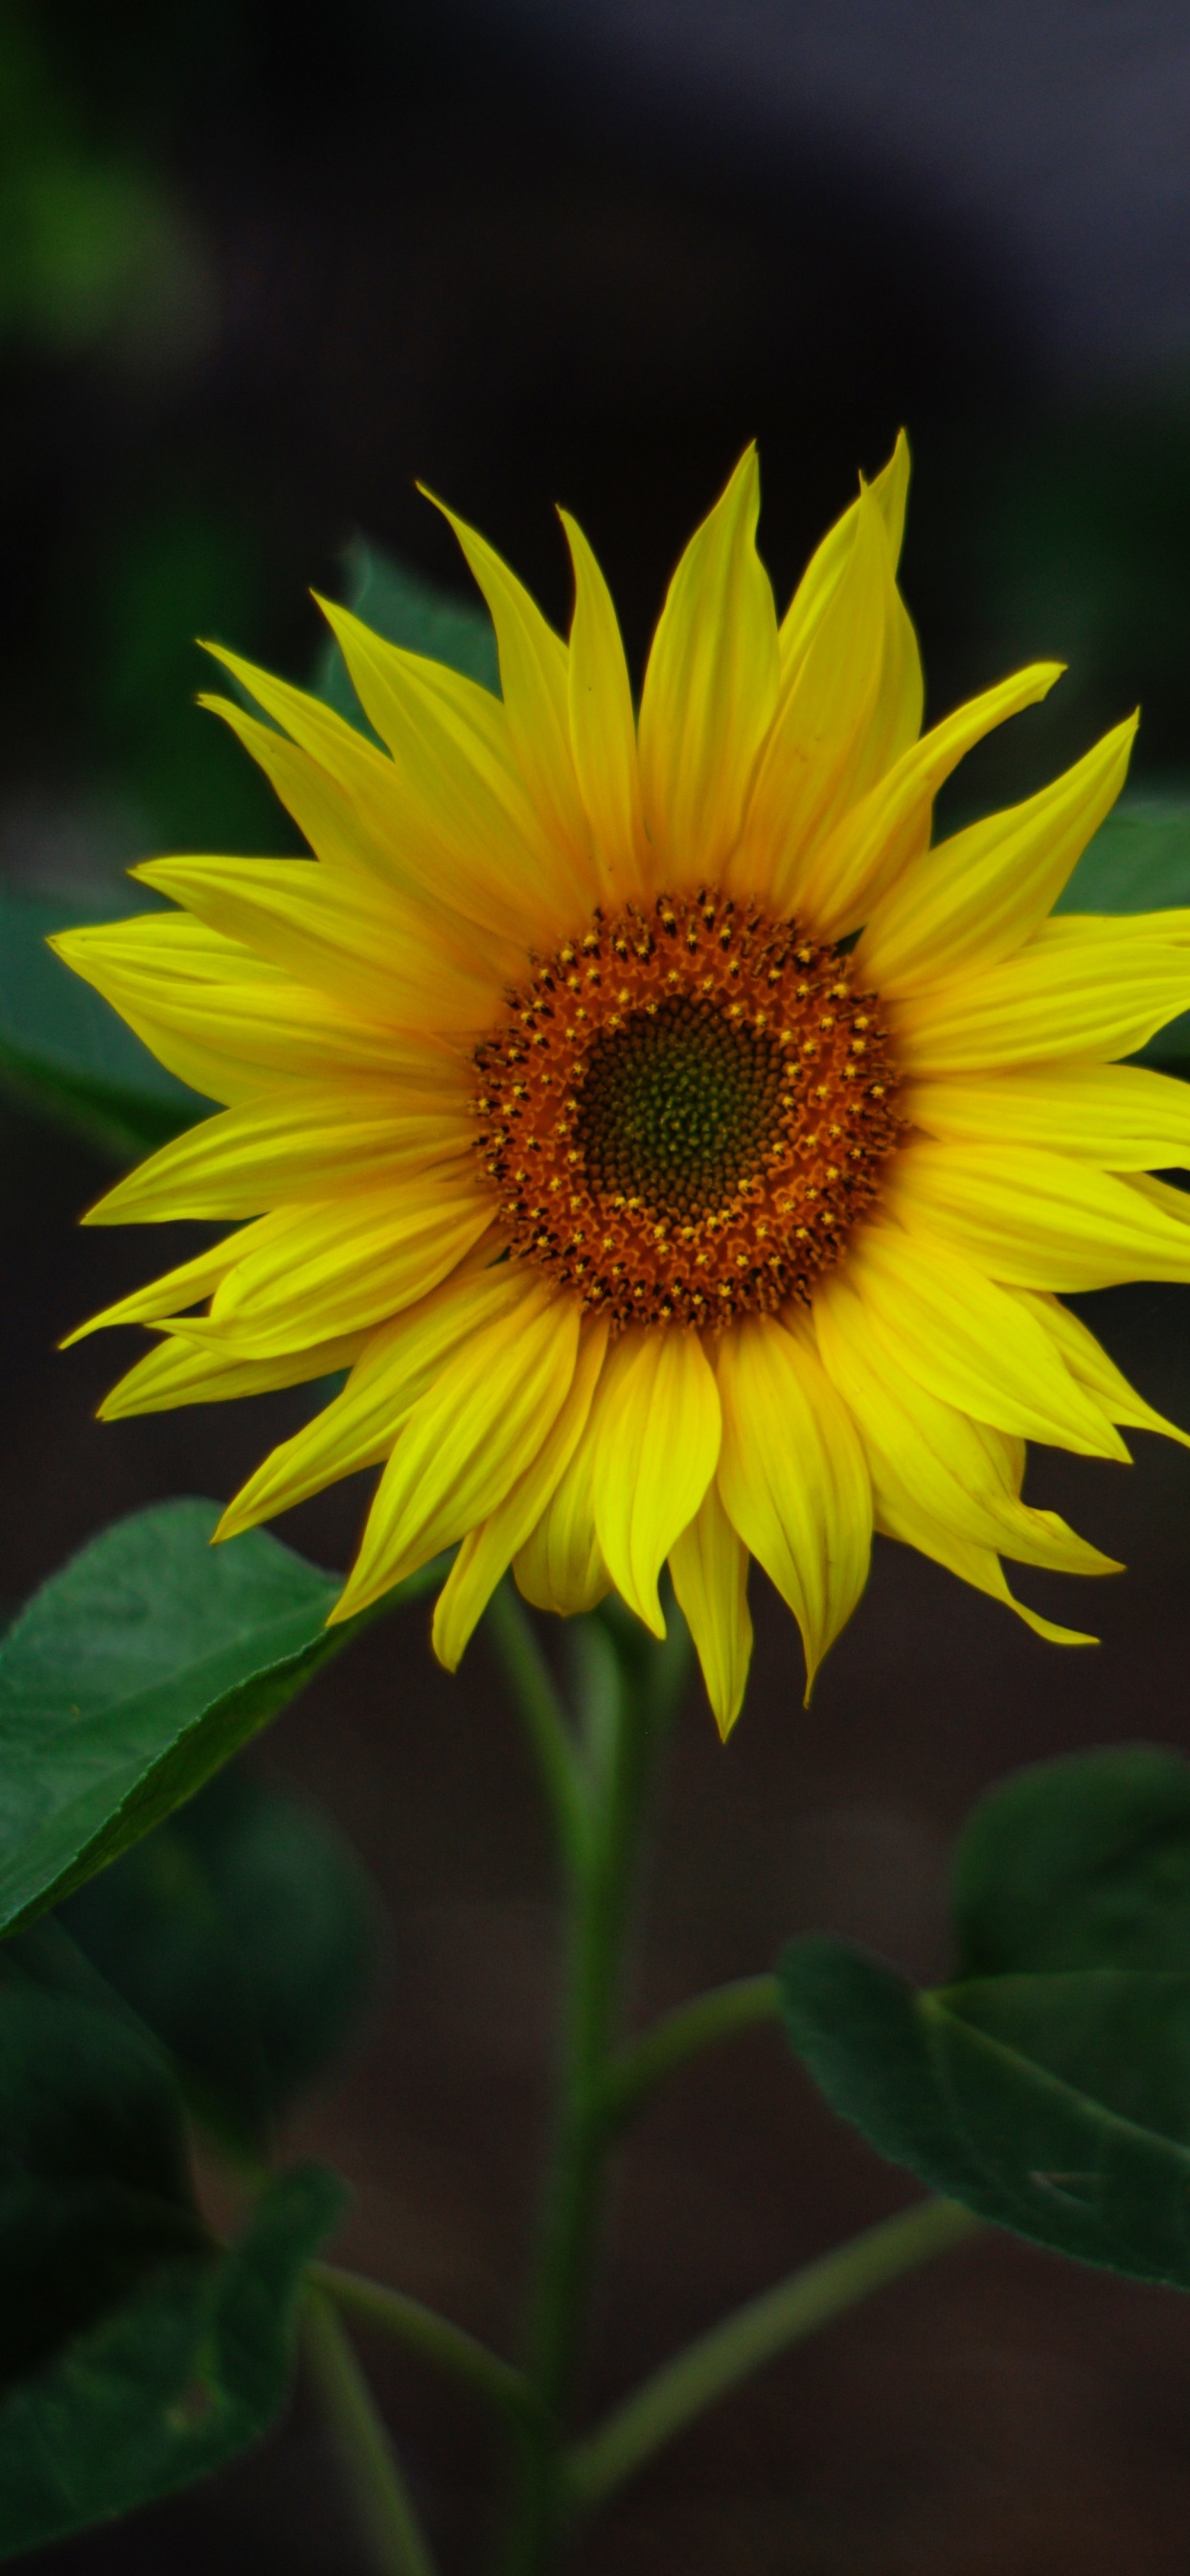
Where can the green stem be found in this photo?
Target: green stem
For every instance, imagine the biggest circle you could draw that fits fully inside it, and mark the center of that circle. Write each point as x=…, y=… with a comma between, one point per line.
x=627, y=1695
x=703, y=2023
x=531, y=1683
x=422, y=2330
x=396, y=2540
x=755, y=2334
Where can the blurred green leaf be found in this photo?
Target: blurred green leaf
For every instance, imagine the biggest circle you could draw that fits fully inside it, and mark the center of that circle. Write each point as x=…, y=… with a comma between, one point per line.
x=94, y=2190
x=132, y=1676
x=1139, y=861
x=1049, y=2088
x=413, y=612
x=245, y=1933
x=189, y=2369
x=64, y=1050
x=1079, y=1863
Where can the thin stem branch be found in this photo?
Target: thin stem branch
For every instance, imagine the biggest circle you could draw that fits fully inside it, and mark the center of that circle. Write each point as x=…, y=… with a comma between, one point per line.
x=677, y=2394
x=422, y=2330
x=702, y=2023
x=541, y=1708
x=386, y=2513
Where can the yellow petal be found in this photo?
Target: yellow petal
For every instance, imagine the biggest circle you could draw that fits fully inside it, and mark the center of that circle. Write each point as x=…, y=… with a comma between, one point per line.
x=348, y=936
x=975, y=899
x=657, y=1443
x=926, y=1456
x=709, y=1565
x=974, y=1565
x=1089, y=1363
x=358, y=1428
x=534, y=680
x=488, y=1550
x=811, y=599
x=176, y=1372
x=832, y=730
x=341, y=1267
x=602, y=726
x=1080, y=988
x=971, y=1343
x=561, y=1567
x=299, y=1144
x=183, y=1287
x=710, y=691
x=891, y=823
x=466, y=1442
x=468, y=831
x=224, y=1020
x=362, y=818
x=1036, y=1220
x=793, y=1477
x=1120, y=1116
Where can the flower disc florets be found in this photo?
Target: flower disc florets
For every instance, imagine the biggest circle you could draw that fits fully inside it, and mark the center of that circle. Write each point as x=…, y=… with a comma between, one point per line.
x=686, y=1110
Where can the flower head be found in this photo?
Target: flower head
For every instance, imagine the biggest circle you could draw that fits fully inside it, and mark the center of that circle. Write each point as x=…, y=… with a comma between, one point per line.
x=682, y=1154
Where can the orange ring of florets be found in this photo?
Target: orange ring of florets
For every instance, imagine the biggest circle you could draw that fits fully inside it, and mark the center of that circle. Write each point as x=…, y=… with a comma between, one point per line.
x=685, y=1111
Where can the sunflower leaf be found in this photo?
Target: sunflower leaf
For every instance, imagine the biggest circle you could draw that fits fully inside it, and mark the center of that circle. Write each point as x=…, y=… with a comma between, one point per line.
x=133, y=1675
x=94, y=2190
x=407, y=610
x=245, y=1934
x=181, y=2371
x=63, y=1052
x=1048, y=2089
x=1083, y=1862
x=1139, y=861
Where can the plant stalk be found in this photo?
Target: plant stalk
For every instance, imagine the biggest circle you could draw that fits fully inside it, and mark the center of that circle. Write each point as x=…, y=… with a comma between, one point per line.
x=709, y=2369
x=531, y=1683
x=682, y=2034
x=387, y=2518
x=627, y=1697
x=420, y=2329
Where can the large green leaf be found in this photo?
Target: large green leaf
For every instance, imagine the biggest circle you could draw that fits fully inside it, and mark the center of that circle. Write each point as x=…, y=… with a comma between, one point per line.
x=245, y=1934
x=94, y=2190
x=185, y=2372
x=1049, y=2087
x=408, y=610
x=132, y=1676
x=135, y=2353
x=63, y=1050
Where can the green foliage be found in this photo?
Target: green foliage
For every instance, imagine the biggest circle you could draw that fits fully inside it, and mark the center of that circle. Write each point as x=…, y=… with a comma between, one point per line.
x=245, y=1934
x=1048, y=2088
x=90, y=245
x=94, y=2190
x=132, y=1676
x=135, y=2353
x=1079, y=1863
x=170, y=2383
x=64, y=1051
x=415, y=613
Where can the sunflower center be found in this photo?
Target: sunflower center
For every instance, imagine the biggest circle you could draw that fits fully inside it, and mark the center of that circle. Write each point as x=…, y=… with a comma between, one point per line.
x=677, y=1106
x=685, y=1111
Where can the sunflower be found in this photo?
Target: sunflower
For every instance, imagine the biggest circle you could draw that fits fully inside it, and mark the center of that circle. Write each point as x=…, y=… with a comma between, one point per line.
x=682, y=1154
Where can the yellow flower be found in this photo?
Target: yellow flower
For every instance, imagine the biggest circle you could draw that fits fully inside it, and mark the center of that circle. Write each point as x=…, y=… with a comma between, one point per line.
x=656, y=1215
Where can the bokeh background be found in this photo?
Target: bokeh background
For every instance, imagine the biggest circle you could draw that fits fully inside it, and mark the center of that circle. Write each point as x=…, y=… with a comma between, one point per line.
x=260, y=268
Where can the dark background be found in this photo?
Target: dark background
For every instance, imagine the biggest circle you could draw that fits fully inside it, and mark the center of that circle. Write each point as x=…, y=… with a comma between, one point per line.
x=259, y=269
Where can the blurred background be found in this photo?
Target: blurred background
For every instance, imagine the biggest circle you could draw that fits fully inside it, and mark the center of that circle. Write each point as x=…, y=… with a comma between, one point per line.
x=259, y=270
